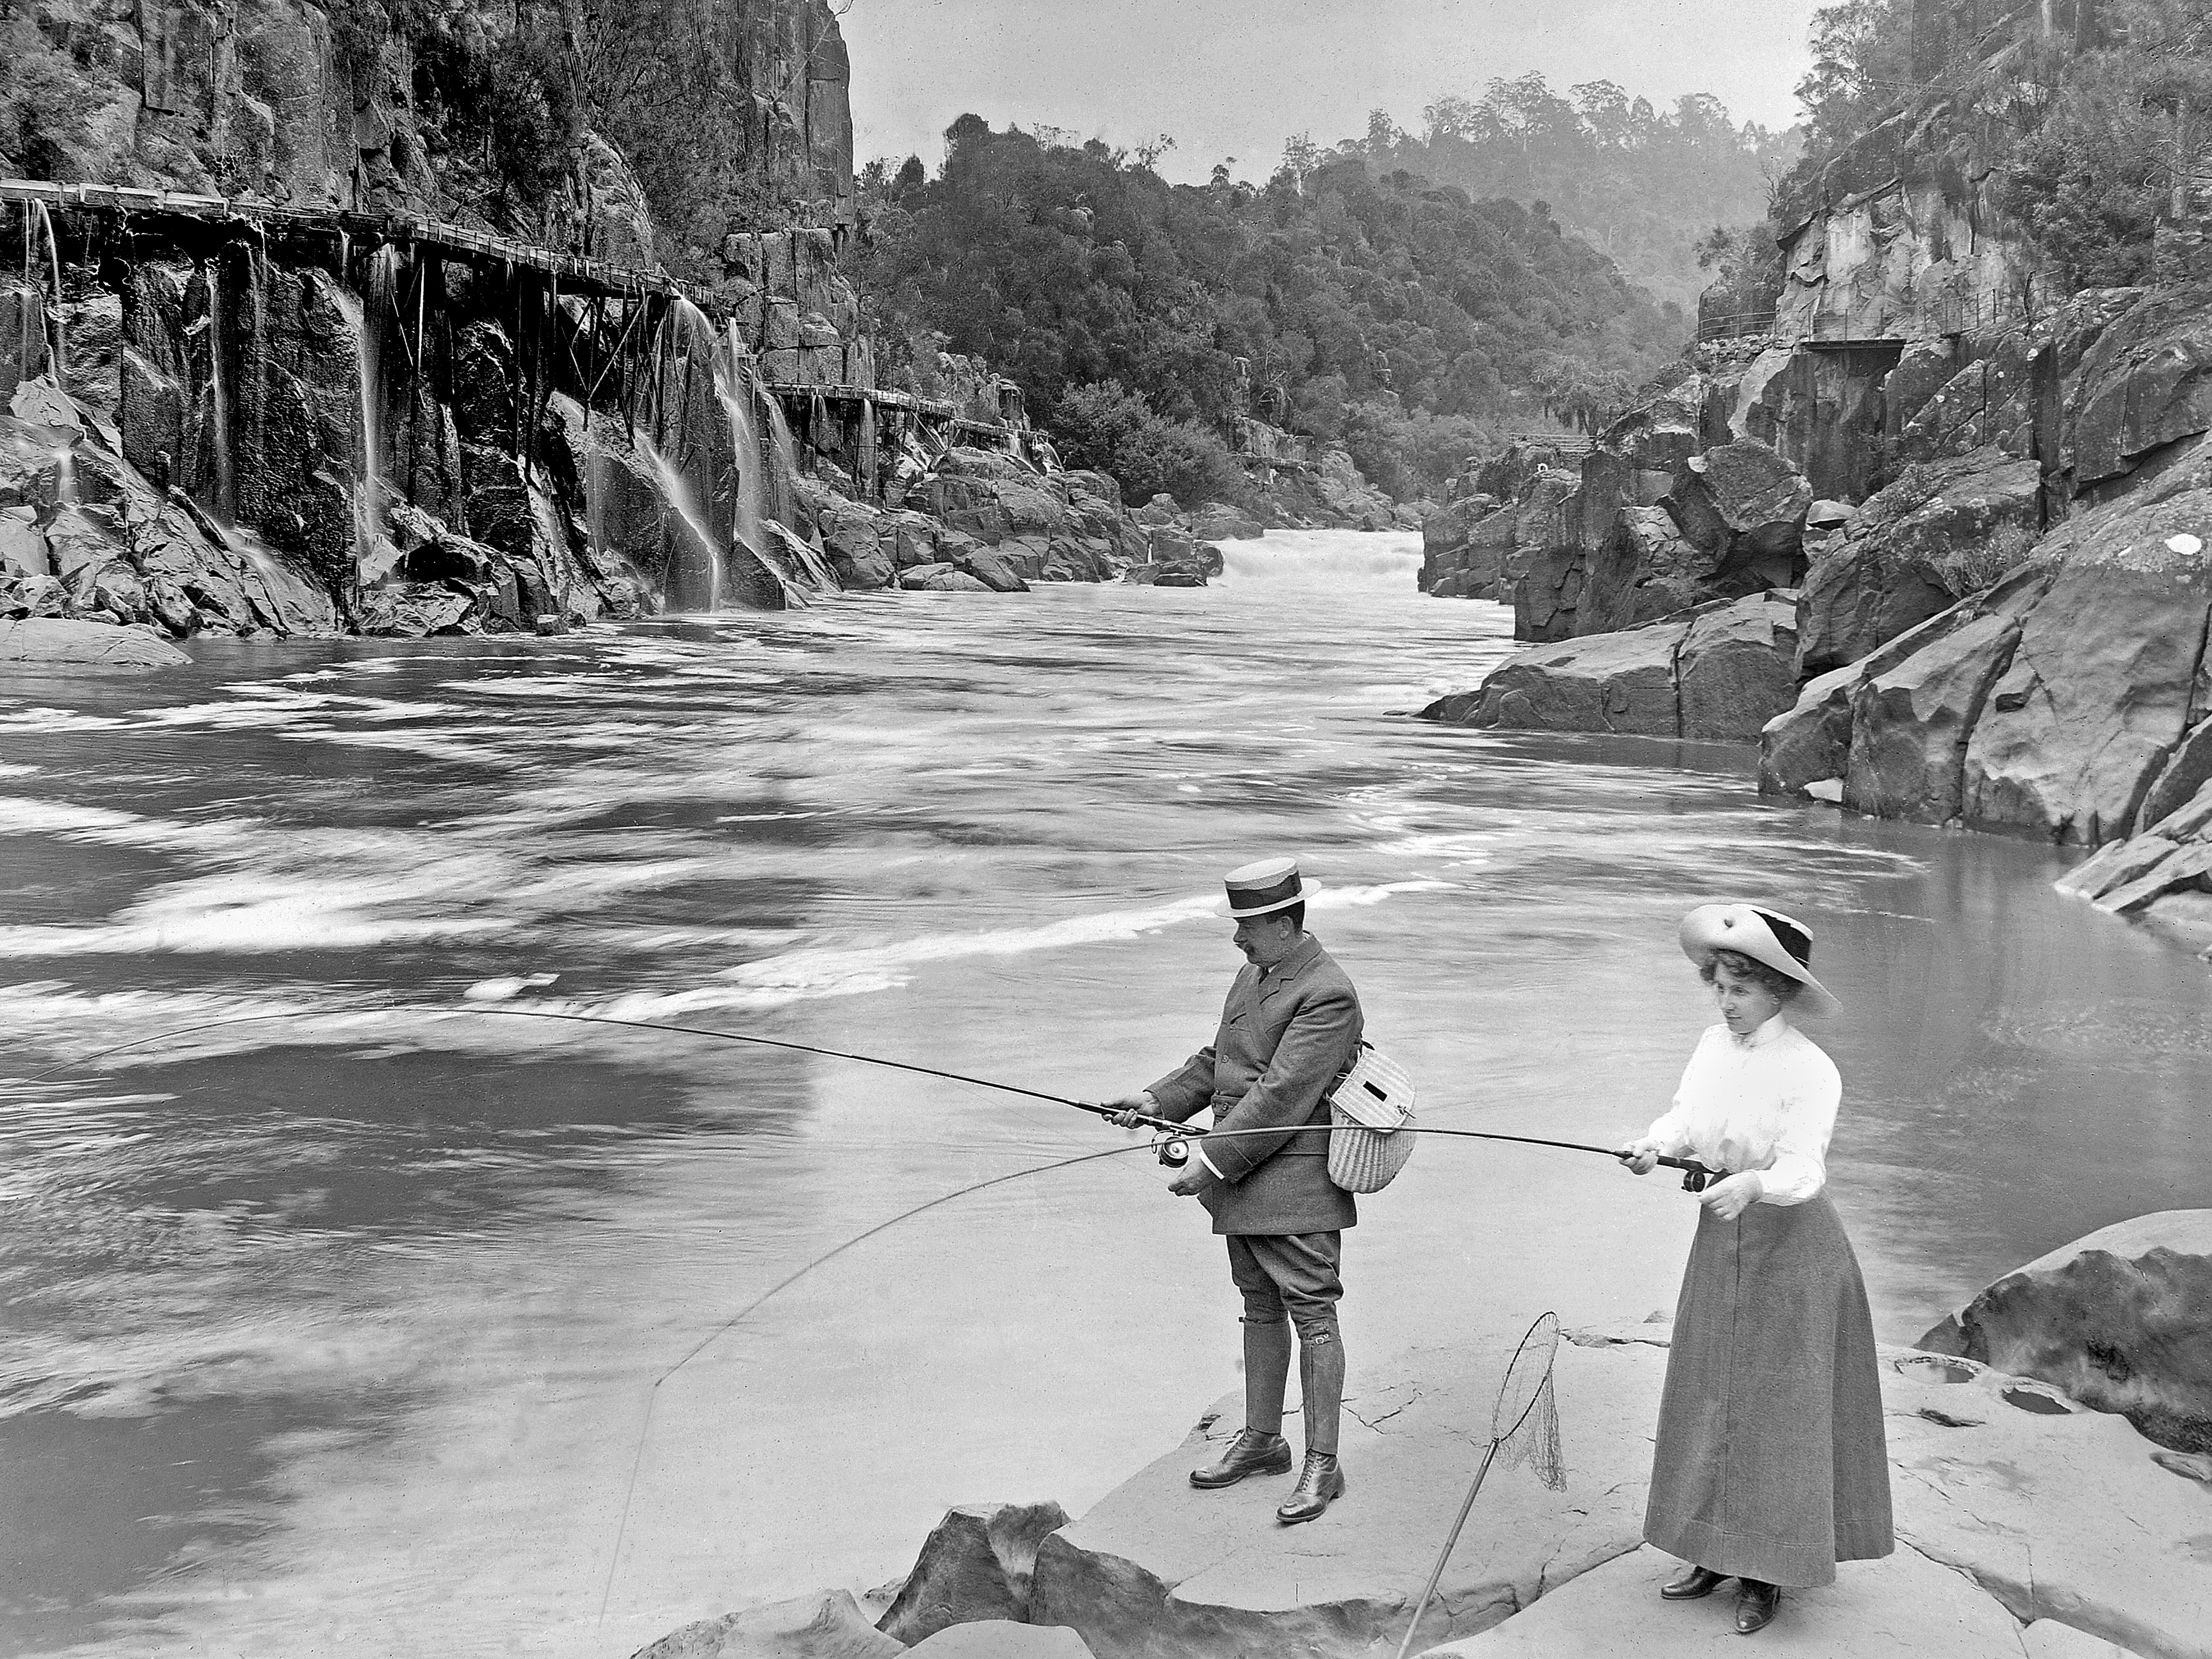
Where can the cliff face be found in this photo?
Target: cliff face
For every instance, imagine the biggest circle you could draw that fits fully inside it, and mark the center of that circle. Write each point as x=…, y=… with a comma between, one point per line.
x=795, y=116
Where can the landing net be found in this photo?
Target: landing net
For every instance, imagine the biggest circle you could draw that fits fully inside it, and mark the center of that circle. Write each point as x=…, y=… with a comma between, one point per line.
x=1524, y=1429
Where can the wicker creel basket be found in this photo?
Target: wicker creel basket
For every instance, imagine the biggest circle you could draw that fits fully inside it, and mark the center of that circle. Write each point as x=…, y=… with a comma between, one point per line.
x=1371, y=1131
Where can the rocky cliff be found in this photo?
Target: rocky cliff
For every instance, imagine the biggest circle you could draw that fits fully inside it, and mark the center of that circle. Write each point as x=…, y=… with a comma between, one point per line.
x=327, y=398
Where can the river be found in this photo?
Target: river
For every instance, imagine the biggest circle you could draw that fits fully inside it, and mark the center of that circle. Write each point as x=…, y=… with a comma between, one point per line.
x=341, y=1332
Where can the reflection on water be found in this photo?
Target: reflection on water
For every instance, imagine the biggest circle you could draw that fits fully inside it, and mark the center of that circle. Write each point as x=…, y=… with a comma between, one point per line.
x=335, y=1332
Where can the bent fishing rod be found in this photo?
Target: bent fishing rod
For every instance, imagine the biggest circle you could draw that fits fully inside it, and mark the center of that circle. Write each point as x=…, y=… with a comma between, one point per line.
x=1172, y=1146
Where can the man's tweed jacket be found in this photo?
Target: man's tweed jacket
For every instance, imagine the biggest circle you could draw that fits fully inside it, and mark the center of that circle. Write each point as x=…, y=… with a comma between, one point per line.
x=1287, y=1034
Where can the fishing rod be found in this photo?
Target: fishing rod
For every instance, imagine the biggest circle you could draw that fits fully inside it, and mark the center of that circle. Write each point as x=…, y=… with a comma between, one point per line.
x=1173, y=1146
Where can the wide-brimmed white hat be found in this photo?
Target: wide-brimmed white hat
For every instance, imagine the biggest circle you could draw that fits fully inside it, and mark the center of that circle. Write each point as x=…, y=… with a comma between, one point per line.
x=1262, y=889
x=1767, y=937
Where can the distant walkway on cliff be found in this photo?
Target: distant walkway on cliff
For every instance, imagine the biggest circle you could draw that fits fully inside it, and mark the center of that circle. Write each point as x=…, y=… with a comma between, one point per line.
x=180, y=217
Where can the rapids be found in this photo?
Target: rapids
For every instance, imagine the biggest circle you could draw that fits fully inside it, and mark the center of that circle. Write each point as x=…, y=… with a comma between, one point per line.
x=334, y=1334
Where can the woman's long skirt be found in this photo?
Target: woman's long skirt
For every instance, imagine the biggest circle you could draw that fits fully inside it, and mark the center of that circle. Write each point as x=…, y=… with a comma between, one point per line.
x=1771, y=1462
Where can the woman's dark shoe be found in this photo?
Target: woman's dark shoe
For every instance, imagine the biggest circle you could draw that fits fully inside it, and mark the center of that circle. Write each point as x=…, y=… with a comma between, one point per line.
x=1249, y=1453
x=1754, y=1606
x=1321, y=1483
x=1699, y=1580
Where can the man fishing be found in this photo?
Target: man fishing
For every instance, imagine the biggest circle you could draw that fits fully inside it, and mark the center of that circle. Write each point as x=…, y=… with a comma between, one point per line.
x=1290, y=1028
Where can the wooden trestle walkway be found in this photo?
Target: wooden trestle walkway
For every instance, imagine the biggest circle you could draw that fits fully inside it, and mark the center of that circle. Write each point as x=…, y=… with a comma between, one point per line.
x=570, y=273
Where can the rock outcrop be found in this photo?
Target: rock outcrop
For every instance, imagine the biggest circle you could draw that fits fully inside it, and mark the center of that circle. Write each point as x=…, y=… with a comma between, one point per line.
x=2063, y=701
x=2027, y=1524
x=2121, y=1320
x=2163, y=876
x=1715, y=672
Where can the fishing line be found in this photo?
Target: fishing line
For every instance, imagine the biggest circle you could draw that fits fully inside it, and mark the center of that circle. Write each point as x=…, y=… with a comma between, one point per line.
x=1176, y=1130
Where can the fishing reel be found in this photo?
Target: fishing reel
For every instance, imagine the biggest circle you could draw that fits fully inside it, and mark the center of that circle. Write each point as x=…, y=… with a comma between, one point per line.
x=1173, y=1151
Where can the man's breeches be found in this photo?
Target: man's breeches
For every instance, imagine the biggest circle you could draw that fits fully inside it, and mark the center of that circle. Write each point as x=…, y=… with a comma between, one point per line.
x=1292, y=1275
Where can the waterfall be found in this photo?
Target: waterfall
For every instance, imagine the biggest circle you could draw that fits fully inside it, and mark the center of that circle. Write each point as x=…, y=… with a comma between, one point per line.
x=676, y=490
x=65, y=473
x=226, y=477
x=701, y=348
x=734, y=384
x=365, y=317
x=57, y=342
x=783, y=465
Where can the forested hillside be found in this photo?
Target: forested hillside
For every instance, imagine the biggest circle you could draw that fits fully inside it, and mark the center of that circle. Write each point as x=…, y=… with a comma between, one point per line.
x=1644, y=186
x=1403, y=316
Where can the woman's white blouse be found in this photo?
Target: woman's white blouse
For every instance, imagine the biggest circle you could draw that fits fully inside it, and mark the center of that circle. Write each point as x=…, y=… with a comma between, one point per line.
x=1765, y=1102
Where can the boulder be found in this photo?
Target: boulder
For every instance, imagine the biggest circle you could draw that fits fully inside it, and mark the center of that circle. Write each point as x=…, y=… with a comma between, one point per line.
x=2121, y=1320
x=1909, y=727
x=1735, y=668
x=1745, y=507
x=1719, y=672
x=940, y=579
x=995, y=569
x=999, y=1638
x=49, y=643
x=854, y=541
x=1643, y=571
x=1902, y=1606
x=976, y=1564
x=828, y=1624
x=1940, y=532
x=1218, y=522
x=1621, y=682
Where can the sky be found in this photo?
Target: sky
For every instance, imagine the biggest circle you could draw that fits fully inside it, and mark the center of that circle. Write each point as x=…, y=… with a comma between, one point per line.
x=1236, y=77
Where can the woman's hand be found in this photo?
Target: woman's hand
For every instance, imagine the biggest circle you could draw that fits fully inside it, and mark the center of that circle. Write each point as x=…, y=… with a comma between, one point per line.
x=1729, y=1198
x=1640, y=1156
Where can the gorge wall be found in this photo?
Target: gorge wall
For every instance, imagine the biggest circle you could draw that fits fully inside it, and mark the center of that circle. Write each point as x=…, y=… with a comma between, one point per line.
x=1983, y=503
x=335, y=373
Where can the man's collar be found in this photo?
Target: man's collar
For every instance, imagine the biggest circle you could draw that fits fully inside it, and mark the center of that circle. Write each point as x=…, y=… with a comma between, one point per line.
x=1301, y=957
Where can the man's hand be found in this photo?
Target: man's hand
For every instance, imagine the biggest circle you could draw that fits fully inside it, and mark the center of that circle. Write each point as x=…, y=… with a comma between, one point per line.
x=1130, y=1107
x=1729, y=1198
x=1192, y=1181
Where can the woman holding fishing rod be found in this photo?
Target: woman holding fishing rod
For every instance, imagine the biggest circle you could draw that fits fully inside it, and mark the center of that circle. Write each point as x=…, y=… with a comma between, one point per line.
x=1770, y=1465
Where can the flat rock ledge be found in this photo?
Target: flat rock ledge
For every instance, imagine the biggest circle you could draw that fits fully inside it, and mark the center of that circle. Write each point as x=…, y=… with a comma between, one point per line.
x=56, y=642
x=2028, y=1526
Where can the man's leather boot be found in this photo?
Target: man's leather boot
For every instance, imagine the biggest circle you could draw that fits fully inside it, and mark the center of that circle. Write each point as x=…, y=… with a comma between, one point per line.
x=1755, y=1605
x=1251, y=1453
x=1321, y=1483
x=1699, y=1580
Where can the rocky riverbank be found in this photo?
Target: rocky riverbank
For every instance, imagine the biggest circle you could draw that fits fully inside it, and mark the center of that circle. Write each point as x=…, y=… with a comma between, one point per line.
x=2031, y=1520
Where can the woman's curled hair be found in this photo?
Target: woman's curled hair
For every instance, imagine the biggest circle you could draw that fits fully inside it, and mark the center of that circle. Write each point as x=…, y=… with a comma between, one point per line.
x=1779, y=985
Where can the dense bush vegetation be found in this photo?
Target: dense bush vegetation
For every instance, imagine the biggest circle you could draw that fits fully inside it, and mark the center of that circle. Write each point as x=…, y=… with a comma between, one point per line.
x=2093, y=130
x=1402, y=317
x=1639, y=183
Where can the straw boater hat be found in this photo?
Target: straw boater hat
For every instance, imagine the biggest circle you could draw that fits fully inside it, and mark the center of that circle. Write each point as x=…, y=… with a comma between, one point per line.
x=1768, y=937
x=1262, y=889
